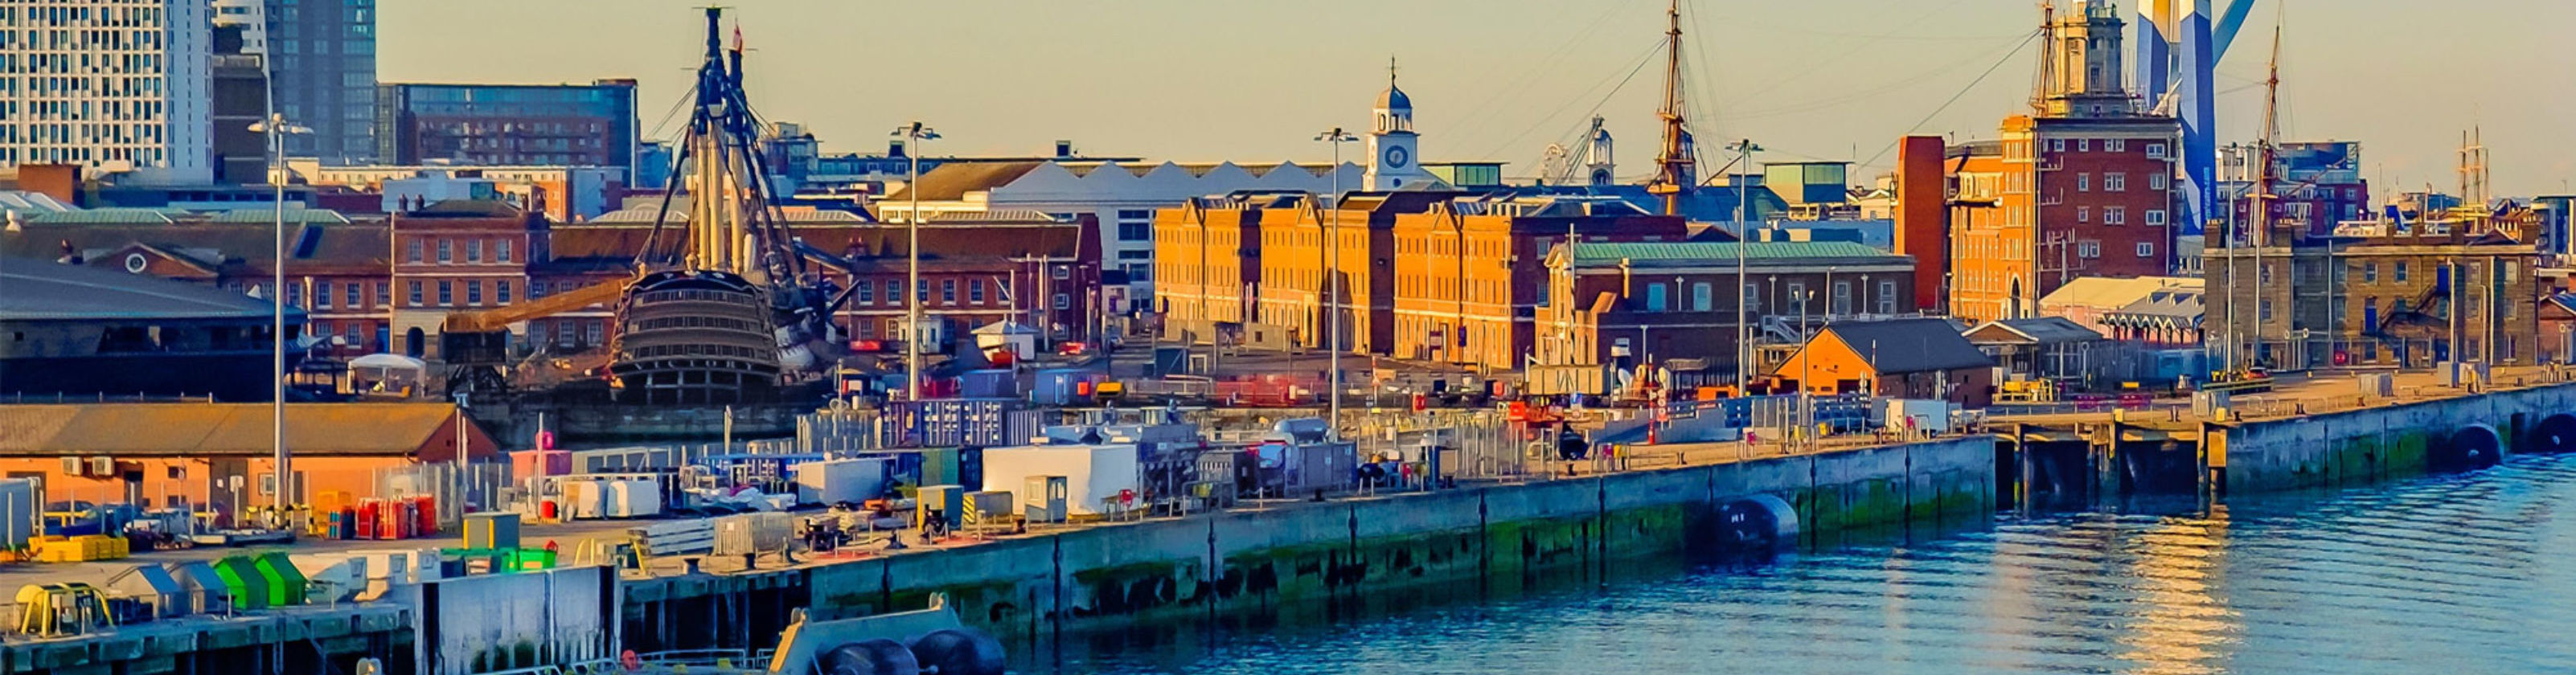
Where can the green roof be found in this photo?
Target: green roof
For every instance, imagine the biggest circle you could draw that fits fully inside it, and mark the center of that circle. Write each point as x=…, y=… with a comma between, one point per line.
x=293, y=215
x=1593, y=252
x=110, y=216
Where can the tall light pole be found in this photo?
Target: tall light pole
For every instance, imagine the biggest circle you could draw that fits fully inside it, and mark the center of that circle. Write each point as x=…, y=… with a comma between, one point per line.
x=276, y=127
x=1333, y=260
x=1744, y=150
x=914, y=134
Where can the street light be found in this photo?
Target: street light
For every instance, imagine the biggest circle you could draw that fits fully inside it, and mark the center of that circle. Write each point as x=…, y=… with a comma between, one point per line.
x=915, y=134
x=276, y=127
x=1744, y=150
x=1333, y=260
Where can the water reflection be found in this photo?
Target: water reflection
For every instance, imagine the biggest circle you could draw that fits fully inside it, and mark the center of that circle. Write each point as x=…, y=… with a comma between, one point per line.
x=2464, y=574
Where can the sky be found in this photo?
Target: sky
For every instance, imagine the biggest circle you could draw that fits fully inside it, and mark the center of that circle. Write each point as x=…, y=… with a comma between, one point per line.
x=1498, y=80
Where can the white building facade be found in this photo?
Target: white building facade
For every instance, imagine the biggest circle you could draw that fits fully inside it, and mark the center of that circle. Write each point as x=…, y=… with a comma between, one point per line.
x=116, y=86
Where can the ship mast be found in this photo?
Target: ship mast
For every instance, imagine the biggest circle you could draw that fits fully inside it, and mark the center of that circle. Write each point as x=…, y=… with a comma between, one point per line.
x=2261, y=195
x=1674, y=168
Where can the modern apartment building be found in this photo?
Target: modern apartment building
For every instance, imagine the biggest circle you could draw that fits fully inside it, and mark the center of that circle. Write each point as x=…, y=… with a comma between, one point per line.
x=120, y=87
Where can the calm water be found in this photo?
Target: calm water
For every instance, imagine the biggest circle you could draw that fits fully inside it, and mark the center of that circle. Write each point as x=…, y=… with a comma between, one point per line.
x=2457, y=574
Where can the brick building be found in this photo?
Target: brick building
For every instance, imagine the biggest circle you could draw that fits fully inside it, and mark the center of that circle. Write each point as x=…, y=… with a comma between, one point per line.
x=1471, y=272
x=1455, y=277
x=508, y=125
x=975, y=269
x=2081, y=187
x=337, y=270
x=1606, y=300
x=457, y=256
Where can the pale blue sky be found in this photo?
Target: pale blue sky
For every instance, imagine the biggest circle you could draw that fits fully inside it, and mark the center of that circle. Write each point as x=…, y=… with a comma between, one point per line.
x=1253, y=80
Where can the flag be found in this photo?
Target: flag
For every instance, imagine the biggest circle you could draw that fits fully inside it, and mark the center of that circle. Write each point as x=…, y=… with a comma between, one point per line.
x=737, y=37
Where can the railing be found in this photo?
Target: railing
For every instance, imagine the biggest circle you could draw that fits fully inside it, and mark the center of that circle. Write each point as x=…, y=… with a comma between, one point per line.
x=125, y=609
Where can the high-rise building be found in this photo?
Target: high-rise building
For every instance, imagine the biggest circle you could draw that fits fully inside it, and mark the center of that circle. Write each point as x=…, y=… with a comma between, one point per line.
x=323, y=62
x=508, y=124
x=117, y=86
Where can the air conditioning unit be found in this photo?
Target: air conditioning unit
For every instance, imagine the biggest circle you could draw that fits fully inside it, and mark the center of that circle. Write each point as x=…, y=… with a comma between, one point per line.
x=102, y=467
x=73, y=466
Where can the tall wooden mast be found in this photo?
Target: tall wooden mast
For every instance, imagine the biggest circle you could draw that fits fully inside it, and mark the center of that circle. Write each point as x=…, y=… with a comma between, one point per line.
x=1674, y=168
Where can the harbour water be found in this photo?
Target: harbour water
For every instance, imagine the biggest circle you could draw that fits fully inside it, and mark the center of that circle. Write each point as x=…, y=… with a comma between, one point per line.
x=2463, y=574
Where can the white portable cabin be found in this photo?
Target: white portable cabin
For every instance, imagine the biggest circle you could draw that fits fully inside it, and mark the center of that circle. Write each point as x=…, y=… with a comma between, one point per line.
x=1094, y=475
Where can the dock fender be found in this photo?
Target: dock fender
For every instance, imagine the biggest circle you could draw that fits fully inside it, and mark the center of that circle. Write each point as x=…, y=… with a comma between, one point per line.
x=2557, y=433
x=2468, y=448
x=1753, y=521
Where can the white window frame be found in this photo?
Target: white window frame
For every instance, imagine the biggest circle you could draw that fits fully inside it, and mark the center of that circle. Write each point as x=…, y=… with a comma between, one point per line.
x=2146, y=249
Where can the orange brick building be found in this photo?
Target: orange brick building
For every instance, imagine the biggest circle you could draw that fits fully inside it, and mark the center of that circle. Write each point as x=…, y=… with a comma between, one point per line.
x=186, y=454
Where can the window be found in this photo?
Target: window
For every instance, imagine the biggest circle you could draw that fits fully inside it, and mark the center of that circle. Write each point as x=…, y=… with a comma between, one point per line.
x=2083, y=182
x=2115, y=215
x=444, y=251
x=1798, y=295
x=2267, y=310
x=501, y=250
x=415, y=294
x=2056, y=145
x=1061, y=272
x=414, y=247
x=2088, y=249
x=2146, y=250
x=2370, y=272
x=1700, y=299
x=2156, y=217
x=1752, y=297
x=2263, y=271
x=867, y=292
x=2083, y=145
x=2084, y=214
x=1135, y=231
x=1063, y=301
x=2400, y=272
x=446, y=293
x=1887, y=297
x=385, y=293
x=921, y=292
x=2158, y=181
x=322, y=295
x=975, y=291
x=2155, y=151
x=474, y=292
x=590, y=333
x=474, y=251
x=1655, y=297
x=1842, y=297
x=2115, y=145
x=2115, y=182
x=501, y=292
x=948, y=291
x=894, y=292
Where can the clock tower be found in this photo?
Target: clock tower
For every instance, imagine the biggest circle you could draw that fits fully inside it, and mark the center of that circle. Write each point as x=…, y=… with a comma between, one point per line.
x=1394, y=162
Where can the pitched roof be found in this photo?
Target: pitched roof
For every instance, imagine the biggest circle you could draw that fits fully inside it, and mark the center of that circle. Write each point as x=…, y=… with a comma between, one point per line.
x=951, y=182
x=1899, y=346
x=223, y=429
x=46, y=290
x=2044, y=330
x=1702, y=252
x=252, y=245
x=2108, y=292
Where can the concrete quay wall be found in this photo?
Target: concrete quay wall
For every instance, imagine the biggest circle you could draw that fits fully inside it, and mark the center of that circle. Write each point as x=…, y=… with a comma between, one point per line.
x=2396, y=440
x=307, y=639
x=1314, y=551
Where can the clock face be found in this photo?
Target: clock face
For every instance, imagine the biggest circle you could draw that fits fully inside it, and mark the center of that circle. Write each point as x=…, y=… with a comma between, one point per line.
x=1397, y=156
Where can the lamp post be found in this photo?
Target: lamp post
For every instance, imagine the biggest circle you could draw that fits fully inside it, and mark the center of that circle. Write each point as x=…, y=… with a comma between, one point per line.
x=914, y=134
x=276, y=128
x=1333, y=261
x=1744, y=149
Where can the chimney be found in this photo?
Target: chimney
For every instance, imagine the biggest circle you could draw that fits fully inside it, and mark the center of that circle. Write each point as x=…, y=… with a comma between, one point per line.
x=1922, y=215
x=1063, y=149
x=894, y=148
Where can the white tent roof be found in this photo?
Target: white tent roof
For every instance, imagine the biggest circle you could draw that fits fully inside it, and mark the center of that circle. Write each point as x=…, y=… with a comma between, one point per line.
x=390, y=361
x=1006, y=328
